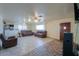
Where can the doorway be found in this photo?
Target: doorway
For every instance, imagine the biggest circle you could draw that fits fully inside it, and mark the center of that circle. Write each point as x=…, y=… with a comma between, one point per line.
x=64, y=27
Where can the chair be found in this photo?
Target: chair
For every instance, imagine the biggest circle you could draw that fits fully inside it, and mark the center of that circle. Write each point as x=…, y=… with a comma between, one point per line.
x=10, y=42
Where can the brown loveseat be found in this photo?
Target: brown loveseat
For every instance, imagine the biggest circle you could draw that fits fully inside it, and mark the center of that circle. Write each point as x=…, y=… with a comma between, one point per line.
x=41, y=34
x=10, y=42
x=26, y=32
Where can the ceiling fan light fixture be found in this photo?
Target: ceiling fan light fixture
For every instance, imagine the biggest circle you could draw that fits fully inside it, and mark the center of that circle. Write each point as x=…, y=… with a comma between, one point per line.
x=35, y=21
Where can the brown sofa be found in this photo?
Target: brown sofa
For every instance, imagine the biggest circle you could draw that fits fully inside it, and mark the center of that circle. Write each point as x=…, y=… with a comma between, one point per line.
x=41, y=34
x=10, y=42
x=26, y=32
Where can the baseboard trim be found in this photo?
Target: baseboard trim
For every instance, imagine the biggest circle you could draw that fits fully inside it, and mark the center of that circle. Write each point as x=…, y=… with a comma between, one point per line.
x=53, y=38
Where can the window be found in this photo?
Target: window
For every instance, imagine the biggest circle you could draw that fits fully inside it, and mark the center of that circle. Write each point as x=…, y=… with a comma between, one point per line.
x=22, y=27
x=40, y=27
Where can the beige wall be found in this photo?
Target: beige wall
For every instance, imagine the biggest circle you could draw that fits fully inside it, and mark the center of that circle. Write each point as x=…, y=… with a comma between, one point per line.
x=53, y=27
x=63, y=13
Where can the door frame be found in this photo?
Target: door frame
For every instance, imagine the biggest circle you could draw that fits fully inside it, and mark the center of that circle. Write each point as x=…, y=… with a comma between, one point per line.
x=62, y=30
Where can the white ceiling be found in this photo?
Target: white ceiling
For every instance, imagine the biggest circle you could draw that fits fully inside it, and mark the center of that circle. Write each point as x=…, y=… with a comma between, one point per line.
x=20, y=11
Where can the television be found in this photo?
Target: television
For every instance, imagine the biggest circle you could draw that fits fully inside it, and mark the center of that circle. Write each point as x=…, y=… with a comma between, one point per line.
x=76, y=10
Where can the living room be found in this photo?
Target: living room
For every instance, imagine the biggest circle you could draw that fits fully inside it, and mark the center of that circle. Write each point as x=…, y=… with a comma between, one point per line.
x=29, y=29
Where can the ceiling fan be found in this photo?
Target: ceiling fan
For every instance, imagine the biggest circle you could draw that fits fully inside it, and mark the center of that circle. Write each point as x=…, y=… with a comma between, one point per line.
x=36, y=17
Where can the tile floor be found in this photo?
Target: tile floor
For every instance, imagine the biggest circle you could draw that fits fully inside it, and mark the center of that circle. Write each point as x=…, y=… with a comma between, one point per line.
x=24, y=46
x=34, y=46
x=52, y=48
